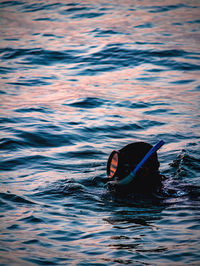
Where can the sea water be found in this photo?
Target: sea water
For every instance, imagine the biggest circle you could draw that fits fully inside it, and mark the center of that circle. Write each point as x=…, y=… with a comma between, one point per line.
x=79, y=79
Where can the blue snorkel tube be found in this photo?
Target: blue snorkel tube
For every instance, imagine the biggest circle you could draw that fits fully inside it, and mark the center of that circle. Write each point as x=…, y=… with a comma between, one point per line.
x=133, y=173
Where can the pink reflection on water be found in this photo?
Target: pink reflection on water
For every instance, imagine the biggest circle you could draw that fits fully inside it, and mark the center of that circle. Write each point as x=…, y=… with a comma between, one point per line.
x=127, y=18
x=118, y=85
x=141, y=29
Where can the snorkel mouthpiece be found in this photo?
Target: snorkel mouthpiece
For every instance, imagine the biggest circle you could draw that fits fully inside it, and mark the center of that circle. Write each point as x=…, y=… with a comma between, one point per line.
x=128, y=179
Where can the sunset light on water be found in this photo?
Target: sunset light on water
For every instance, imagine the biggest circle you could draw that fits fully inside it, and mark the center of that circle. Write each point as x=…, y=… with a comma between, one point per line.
x=79, y=80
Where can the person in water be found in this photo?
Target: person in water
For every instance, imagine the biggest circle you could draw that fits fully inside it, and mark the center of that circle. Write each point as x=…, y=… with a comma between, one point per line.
x=121, y=165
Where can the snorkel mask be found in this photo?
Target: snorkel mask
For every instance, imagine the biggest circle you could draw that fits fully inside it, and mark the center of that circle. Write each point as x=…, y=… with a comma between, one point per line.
x=122, y=173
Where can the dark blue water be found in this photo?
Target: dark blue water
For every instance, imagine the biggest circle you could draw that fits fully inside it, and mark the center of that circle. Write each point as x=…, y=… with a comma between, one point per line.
x=79, y=79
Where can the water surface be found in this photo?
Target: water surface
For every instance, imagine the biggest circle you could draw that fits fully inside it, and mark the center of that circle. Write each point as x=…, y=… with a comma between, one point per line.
x=79, y=79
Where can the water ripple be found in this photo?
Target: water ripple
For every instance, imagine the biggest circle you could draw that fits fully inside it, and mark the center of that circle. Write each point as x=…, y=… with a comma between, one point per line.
x=101, y=61
x=80, y=79
x=14, y=198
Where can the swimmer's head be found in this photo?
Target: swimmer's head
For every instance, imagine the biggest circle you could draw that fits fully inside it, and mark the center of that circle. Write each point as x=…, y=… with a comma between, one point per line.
x=121, y=163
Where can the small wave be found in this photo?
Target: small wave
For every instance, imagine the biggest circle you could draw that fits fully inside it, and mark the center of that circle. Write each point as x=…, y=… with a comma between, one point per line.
x=39, y=109
x=114, y=57
x=84, y=154
x=32, y=241
x=183, y=81
x=110, y=58
x=192, y=191
x=146, y=25
x=196, y=21
x=4, y=4
x=158, y=111
x=165, y=8
x=6, y=70
x=107, y=129
x=34, y=7
x=31, y=82
x=81, y=12
x=45, y=19
x=74, y=9
x=32, y=219
x=88, y=15
x=8, y=164
x=132, y=105
x=15, y=198
x=101, y=33
x=186, y=164
x=11, y=144
x=38, y=56
x=88, y=102
x=83, y=190
x=45, y=137
x=2, y=92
